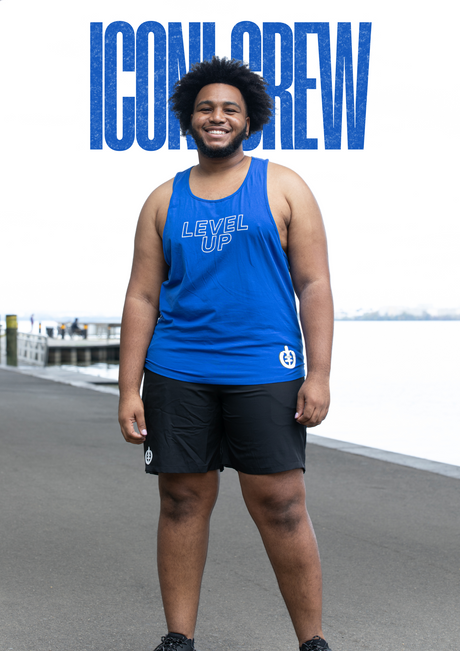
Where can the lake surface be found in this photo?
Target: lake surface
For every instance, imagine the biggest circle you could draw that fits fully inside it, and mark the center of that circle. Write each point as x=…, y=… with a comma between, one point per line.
x=396, y=386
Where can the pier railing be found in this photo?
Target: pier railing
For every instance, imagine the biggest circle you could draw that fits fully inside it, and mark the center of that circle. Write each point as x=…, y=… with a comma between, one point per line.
x=97, y=342
x=87, y=331
x=32, y=349
x=2, y=345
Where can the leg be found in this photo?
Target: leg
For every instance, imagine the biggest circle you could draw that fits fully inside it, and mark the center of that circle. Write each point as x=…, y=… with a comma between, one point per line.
x=277, y=505
x=187, y=501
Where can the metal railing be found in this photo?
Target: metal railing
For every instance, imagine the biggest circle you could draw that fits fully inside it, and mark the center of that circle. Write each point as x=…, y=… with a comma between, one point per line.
x=2, y=345
x=87, y=331
x=32, y=349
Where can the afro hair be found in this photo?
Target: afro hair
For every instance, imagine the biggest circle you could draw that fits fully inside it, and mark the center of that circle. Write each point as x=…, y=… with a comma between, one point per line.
x=235, y=73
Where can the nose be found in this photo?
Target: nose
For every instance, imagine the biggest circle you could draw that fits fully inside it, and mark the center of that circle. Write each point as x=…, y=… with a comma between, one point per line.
x=217, y=115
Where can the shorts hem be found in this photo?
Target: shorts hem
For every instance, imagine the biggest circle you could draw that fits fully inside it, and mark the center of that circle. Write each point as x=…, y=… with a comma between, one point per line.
x=268, y=471
x=185, y=471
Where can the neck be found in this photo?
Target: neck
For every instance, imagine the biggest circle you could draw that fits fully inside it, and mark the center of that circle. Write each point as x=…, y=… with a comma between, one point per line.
x=210, y=166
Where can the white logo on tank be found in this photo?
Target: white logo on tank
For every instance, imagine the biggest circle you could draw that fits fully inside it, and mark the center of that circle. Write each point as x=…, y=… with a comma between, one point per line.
x=287, y=358
x=215, y=235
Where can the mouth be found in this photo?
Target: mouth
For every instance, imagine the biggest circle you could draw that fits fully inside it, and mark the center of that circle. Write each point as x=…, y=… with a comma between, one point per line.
x=216, y=132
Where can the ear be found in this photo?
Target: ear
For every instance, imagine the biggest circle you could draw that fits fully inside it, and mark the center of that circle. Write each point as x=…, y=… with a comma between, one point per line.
x=248, y=124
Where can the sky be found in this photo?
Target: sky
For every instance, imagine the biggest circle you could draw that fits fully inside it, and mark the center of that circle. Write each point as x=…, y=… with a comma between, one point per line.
x=68, y=213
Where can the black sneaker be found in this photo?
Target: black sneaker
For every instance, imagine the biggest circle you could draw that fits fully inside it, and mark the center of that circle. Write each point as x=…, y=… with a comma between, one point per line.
x=315, y=644
x=175, y=642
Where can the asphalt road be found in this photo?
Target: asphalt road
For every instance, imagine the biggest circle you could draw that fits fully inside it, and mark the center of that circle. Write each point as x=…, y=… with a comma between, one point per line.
x=77, y=542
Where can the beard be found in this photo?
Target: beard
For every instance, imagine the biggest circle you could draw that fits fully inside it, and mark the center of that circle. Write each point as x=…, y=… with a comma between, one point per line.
x=218, y=152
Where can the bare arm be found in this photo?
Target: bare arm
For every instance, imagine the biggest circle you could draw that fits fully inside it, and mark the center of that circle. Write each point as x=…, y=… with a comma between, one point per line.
x=307, y=252
x=141, y=310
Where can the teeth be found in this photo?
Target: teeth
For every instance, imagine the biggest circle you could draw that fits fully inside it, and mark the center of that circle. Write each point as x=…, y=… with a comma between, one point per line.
x=216, y=131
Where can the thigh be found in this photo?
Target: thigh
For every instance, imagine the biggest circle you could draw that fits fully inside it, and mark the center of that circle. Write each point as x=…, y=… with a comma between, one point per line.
x=184, y=426
x=261, y=434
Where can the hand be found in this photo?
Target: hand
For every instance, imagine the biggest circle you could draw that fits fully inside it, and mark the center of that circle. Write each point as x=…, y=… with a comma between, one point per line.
x=313, y=401
x=130, y=411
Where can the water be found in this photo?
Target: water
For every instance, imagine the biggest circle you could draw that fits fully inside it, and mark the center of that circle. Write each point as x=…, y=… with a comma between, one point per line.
x=396, y=386
x=107, y=370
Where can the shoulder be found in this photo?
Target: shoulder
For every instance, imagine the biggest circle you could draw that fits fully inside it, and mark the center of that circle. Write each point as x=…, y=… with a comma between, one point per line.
x=155, y=208
x=285, y=179
x=160, y=197
x=286, y=187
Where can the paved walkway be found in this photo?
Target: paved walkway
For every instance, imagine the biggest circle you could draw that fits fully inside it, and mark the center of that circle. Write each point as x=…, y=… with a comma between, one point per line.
x=77, y=542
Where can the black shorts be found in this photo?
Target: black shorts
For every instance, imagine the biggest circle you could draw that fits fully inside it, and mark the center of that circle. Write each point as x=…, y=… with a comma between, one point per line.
x=200, y=427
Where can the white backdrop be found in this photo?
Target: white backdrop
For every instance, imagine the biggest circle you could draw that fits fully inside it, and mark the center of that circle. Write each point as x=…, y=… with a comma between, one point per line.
x=68, y=213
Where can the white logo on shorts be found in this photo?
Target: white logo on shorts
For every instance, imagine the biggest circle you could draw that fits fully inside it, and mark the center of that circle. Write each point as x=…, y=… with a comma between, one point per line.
x=148, y=456
x=287, y=358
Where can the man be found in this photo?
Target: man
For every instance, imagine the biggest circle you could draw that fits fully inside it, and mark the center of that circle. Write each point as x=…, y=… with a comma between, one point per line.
x=210, y=315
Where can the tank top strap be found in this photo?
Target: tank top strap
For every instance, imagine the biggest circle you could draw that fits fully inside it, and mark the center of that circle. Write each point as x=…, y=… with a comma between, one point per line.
x=257, y=174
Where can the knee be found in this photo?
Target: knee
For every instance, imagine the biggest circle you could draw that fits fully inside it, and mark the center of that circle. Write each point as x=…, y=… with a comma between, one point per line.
x=281, y=513
x=181, y=502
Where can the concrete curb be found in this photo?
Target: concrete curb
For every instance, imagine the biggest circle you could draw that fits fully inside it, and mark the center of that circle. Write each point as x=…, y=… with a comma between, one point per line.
x=57, y=375
x=383, y=455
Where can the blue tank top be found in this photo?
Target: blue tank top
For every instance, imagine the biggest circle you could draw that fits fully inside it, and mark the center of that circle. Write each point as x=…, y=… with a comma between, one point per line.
x=227, y=310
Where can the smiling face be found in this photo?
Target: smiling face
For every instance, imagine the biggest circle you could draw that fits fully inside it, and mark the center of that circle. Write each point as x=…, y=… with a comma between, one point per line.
x=219, y=120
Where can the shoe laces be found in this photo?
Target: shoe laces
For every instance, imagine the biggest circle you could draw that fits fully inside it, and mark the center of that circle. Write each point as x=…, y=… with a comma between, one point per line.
x=169, y=643
x=315, y=644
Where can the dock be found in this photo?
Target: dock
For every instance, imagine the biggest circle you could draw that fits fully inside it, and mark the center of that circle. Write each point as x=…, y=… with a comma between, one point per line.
x=78, y=542
x=81, y=351
x=95, y=342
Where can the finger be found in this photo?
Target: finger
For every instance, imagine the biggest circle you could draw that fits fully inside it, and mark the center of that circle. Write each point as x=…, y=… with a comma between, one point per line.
x=317, y=417
x=130, y=434
x=140, y=420
x=308, y=418
x=300, y=405
x=307, y=413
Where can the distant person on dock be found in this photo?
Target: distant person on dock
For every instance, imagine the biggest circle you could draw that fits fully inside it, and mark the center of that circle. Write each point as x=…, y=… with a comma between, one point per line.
x=210, y=321
x=75, y=328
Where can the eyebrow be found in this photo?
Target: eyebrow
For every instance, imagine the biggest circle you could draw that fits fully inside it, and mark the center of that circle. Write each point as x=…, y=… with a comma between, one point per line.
x=209, y=101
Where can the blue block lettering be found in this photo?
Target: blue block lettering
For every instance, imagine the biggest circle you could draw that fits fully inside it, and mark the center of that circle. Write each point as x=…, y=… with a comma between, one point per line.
x=142, y=86
x=350, y=85
x=96, y=99
x=287, y=76
x=176, y=69
x=194, y=49
x=209, y=41
x=255, y=61
x=127, y=139
x=332, y=107
x=302, y=84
